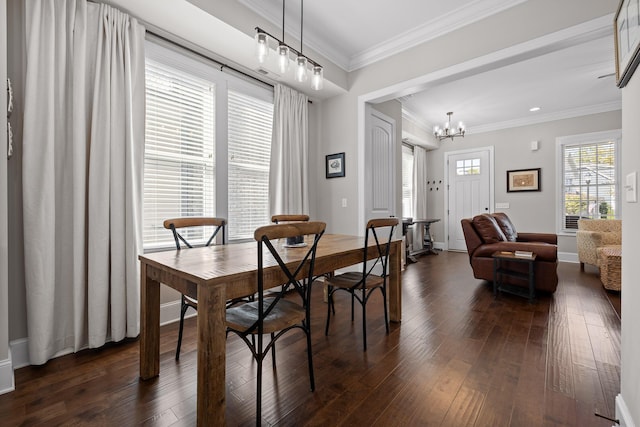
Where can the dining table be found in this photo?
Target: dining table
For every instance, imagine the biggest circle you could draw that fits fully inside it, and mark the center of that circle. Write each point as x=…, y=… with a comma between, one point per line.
x=218, y=273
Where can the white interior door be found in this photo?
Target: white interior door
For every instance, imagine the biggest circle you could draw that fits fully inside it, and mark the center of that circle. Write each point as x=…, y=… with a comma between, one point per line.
x=469, y=175
x=380, y=162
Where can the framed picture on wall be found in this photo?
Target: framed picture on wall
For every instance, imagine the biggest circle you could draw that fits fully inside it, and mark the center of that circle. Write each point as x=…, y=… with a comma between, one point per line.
x=335, y=165
x=627, y=40
x=523, y=180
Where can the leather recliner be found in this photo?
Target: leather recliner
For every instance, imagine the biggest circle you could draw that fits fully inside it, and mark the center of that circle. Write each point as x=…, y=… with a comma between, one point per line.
x=487, y=233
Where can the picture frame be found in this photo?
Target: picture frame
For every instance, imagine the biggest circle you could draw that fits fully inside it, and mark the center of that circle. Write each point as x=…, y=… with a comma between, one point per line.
x=335, y=165
x=523, y=180
x=627, y=40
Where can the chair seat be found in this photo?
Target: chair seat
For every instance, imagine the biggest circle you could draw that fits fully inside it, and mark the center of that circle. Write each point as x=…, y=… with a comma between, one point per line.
x=283, y=315
x=352, y=278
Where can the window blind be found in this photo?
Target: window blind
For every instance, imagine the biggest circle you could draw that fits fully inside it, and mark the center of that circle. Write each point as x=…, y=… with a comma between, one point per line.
x=179, y=166
x=250, y=125
x=590, y=182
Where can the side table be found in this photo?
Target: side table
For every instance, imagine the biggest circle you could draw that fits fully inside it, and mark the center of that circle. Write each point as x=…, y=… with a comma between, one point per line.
x=500, y=272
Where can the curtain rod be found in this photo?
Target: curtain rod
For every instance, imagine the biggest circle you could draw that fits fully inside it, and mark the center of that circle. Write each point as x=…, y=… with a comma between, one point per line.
x=207, y=57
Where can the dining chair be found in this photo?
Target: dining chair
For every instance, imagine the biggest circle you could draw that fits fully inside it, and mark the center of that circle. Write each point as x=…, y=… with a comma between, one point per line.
x=277, y=313
x=196, y=229
x=276, y=219
x=361, y=284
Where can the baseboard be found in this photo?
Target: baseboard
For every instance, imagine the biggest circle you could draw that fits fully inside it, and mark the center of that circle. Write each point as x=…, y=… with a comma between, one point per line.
x=20, y=352
x=568, y=257
x=169, y=313
x=622, y=413
x=7, y=383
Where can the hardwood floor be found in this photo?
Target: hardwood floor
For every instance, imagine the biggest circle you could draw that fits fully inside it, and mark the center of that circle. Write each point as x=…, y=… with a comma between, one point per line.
x=459, y=358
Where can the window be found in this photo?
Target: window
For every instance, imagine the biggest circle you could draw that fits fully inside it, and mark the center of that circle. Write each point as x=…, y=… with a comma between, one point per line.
x=207, y=148
x=407, y=181
x=589, y=169
x=250, y=124
x=468, y=167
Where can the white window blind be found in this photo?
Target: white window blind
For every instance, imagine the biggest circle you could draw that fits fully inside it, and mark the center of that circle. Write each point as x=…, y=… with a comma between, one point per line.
x=407, y=181
x=250, y=124
x=179, y=150
x=590, y=187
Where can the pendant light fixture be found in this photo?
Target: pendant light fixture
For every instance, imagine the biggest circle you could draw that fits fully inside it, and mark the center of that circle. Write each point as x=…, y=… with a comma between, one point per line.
x=448, y=131
x=283, y=50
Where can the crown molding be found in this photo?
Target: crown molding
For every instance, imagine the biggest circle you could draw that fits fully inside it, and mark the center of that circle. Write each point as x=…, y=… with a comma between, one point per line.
x=543, y=118
x=453, y=20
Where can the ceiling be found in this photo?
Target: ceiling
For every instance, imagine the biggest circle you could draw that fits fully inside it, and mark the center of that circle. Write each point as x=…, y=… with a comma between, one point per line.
x=562, y=82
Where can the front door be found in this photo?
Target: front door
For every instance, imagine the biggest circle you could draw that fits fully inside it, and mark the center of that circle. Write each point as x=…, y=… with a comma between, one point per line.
x=469, y=190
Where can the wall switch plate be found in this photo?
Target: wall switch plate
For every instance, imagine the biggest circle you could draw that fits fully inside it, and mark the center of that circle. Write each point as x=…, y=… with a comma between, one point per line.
x=534, y=145
x=503, y=205
x=631, y=188
x=344, y=202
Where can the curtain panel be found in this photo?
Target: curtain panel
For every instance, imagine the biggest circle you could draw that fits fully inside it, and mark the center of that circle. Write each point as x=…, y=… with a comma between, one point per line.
x=419, y=193
x=288, y=171
x=82, y=175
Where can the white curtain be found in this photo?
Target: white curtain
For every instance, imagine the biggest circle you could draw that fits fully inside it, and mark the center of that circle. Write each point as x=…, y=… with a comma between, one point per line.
x=82, y=175
x=288, y=175
x=419, y=193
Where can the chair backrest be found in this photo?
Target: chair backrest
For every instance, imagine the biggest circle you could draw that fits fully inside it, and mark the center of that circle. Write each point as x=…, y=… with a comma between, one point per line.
x=175, y=224
x=276, y=219
x=266, y=237
x=376, y=229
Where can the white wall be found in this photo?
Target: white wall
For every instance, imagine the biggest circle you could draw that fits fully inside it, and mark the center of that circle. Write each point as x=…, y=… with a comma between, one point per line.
x=630, y=369
x=529, y=211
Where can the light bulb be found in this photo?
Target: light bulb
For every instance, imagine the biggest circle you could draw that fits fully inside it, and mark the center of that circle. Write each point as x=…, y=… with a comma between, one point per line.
x=283, y=58
x=317, y=80
x=461, y=126
x=301, y=69
x=262, y=46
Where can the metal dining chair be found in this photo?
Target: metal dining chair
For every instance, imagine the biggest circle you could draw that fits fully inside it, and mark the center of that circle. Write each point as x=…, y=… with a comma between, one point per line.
x=194, y=229
x=361, y=284
x=275, y=314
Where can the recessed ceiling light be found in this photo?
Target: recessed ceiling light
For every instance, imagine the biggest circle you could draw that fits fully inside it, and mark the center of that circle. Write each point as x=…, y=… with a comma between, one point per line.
x=532, y=109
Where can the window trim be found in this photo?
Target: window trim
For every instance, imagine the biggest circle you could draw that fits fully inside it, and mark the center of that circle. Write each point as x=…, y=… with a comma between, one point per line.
x=614, y=135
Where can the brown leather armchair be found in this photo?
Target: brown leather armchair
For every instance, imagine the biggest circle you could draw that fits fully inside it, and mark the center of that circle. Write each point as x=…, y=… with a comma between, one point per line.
x=487, y=233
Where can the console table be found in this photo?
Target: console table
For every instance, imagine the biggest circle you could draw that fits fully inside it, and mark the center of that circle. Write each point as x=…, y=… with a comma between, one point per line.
x=427, y=241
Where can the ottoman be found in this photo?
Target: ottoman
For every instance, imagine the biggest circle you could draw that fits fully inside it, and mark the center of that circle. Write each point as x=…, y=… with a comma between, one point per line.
x=610, y=258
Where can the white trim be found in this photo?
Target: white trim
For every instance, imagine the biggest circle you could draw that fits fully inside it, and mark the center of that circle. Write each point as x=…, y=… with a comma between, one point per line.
x=19, y=353
x=431, y=29
x=584, y=138
x=543, y=118
x=568, y=257
x=170, y=312
x=7, y=383
x=622, y=413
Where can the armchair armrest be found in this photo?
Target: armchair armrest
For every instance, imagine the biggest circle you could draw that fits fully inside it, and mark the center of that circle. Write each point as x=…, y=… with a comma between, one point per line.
x=538, y=237
x=589, y=238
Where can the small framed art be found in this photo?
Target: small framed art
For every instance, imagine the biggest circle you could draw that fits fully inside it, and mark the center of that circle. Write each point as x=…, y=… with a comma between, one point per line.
x=523, y=180
x=335, y=165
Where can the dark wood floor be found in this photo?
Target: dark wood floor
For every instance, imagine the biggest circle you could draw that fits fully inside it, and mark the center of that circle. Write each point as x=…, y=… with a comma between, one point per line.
x=459, y=357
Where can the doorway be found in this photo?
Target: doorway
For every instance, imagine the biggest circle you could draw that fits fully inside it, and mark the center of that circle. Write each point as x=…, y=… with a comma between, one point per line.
x=470, y=192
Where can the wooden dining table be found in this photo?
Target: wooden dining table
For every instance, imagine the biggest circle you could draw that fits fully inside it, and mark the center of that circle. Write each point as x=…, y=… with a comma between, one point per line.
x=218, y=273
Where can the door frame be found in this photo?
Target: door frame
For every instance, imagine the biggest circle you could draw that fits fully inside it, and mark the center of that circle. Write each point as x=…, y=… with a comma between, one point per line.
x=447, y=154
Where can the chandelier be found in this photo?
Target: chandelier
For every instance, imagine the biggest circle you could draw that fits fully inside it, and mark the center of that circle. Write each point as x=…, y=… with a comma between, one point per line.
x=283, y=51
x=448, y=131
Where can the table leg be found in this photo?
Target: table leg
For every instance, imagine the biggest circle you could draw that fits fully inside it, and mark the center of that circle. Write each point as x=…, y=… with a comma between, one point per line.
x=532, y=290
x=211, y=392
x=149, y=325
x=395, y=282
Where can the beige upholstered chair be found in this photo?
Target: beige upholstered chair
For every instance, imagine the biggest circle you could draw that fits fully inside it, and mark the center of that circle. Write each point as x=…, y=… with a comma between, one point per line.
x=593, y=234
